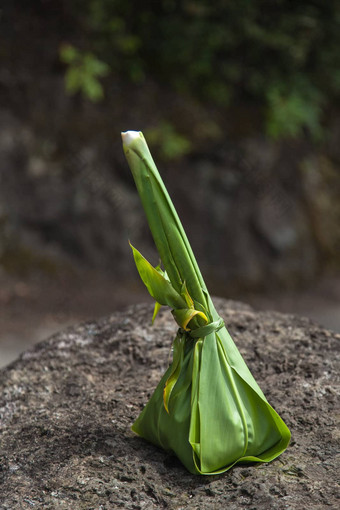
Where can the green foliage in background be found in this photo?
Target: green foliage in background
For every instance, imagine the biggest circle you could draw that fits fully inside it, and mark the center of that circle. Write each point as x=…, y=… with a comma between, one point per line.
x=291, y=109
x=83, y=73
x=169, y=143
x=282, y=56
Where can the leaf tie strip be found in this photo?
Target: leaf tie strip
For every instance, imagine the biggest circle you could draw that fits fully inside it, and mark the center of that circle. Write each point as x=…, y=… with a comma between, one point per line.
x=204, y=331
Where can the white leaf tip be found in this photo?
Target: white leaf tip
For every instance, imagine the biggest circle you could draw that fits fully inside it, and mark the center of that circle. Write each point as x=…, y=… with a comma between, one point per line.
x=129, y=136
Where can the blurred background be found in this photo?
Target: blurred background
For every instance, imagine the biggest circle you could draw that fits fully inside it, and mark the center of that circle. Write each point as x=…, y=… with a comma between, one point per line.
x=239, y=102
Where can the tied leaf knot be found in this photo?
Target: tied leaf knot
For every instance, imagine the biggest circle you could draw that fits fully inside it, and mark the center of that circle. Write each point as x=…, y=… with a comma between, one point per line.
x=203, y=331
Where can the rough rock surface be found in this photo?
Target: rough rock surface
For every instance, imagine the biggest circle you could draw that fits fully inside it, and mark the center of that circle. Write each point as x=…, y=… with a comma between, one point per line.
x=67, y=405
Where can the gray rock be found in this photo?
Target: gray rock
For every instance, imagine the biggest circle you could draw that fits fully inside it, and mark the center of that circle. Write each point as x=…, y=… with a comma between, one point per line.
x=67, y=405
x=269, y=210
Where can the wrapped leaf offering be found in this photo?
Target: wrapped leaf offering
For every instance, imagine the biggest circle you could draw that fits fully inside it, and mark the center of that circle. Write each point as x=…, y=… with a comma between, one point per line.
x=207, y=408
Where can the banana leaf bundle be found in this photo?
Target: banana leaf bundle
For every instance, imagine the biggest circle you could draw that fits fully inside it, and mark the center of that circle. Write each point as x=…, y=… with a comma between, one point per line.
x=207, y=408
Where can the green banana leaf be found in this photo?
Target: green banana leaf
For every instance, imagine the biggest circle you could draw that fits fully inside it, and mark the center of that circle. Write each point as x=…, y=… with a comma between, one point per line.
x=207, y=408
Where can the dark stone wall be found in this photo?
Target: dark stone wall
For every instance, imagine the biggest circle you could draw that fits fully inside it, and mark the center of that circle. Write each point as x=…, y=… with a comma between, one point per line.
x=259, y=213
